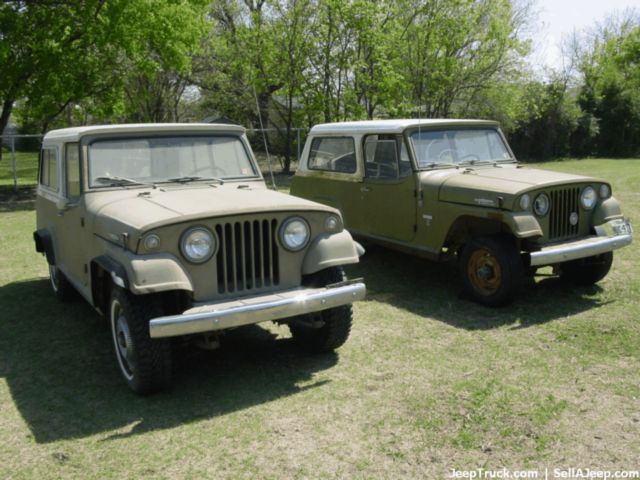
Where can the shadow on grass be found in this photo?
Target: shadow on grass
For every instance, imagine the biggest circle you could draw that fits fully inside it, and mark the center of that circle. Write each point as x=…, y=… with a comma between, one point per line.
x=434, y=290
x=21, y=199
x=58, y=362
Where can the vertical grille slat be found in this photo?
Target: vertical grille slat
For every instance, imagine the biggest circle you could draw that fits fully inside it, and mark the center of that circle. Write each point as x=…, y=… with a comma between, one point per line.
x=564, y=202
x=248, y=255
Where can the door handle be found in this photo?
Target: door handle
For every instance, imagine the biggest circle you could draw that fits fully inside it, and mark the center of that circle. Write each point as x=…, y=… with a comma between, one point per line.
x=365, y=189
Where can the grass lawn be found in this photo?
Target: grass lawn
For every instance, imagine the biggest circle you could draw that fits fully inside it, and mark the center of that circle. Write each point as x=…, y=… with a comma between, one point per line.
x=428, y=382
x=26, y=168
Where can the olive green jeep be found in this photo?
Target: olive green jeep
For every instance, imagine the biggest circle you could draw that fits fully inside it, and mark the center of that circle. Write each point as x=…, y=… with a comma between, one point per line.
x=442, y=188
x=169, y=231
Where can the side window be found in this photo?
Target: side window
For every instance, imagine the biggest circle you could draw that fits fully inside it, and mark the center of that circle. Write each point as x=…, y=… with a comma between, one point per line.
x=72, y=171
x=333, y=154
x=49, y=168
x=405, y=162
x=386, y=157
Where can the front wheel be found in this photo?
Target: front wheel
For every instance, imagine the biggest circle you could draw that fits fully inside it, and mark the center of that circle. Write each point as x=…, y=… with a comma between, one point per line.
x=326, y=330
x=145, y=363
x=492, y=270
x=587, y=271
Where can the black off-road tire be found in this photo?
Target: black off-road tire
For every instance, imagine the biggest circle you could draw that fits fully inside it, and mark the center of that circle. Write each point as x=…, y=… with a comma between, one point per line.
x=492, y=270
x=145, y=363
x=62, y=288
x=587, y=271
x=336, y=322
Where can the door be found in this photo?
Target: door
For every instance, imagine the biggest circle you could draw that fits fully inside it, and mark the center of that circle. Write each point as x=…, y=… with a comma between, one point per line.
x=389, y=188
x=333, y=177
x=70, y=232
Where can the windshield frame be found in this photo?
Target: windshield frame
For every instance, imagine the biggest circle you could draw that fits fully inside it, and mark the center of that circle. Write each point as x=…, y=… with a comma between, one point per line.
x=88, y=141
x=431, y=166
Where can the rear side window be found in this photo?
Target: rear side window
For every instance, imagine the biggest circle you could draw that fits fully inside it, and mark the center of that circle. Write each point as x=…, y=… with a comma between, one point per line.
x=49, y=168
x=333, y=154
x=72, y=171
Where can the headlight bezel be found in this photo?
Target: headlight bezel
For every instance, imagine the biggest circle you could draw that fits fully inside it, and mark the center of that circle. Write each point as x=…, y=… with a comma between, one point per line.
x=332, y=223
x=536, y=210
x=283, y=232
x=212, y=249
x=148, y=239
x=594, y=196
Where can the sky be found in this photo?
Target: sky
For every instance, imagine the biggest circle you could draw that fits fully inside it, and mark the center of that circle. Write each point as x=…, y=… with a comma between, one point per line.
x=558, y=18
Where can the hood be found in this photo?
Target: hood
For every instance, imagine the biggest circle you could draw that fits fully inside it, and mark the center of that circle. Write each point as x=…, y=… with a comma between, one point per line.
x=137, y=210
x=482, y=185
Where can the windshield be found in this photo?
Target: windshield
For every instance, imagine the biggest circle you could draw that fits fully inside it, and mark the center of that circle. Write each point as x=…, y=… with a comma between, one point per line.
x=139, y=161
x=458, y=146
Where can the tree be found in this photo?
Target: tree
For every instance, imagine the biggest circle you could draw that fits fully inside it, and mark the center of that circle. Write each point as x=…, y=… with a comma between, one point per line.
x=609, y=67
x=55, y=53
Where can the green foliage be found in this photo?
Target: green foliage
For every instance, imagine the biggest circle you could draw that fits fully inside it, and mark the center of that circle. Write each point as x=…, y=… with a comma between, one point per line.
x=59, y=53
x=610, y=93
x=295, y=63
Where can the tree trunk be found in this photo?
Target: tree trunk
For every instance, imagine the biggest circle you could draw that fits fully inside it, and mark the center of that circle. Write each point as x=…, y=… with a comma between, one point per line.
x=7, y=107
x=287, y=156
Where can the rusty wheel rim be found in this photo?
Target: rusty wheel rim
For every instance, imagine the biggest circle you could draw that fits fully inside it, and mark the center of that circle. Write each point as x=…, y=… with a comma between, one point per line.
x=484, y=272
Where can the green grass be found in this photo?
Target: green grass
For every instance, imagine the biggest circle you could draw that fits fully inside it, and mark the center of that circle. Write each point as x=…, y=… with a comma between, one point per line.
x=427, y=382
x=26, y=168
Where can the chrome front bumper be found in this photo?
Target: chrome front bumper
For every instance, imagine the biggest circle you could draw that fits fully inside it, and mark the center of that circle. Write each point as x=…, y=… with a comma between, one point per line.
x=611, y=236
x=246, y=311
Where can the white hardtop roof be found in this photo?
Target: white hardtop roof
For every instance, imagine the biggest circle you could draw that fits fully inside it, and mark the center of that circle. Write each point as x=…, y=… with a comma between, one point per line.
x=394, y=126
x=74, y=134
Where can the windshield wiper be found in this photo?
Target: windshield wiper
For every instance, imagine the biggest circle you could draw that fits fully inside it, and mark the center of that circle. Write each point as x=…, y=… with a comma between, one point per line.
x=117, y=181
x=187, y=179
x=436, y=165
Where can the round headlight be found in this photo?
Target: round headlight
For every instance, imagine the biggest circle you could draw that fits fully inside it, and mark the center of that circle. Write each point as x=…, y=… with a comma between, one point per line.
x=197, y=245
x=541, y=205
x=588, y=198
x=294, y=234
x=605, y=191
x=525, y=201
x=151, y=241
x=331, y=223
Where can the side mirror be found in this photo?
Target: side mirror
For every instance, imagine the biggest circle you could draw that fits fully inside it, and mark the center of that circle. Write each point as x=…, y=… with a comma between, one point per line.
x=62, y=205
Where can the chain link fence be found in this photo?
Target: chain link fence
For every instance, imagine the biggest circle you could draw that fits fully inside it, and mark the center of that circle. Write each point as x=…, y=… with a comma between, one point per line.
x=19, y=148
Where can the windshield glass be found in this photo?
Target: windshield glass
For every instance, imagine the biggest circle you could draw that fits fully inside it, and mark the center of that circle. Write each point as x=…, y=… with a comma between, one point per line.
x=136, y=161
x=458, y=146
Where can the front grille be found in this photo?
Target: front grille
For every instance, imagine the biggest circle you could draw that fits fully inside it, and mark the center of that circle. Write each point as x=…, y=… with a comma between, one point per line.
x=247, y=258
x=564, y=202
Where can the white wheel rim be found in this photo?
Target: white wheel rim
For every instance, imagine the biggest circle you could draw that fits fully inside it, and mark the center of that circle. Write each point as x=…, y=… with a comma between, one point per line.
x=122, y=340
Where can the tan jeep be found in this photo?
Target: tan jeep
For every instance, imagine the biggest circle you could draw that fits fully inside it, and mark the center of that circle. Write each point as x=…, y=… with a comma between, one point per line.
x=170, y=231
x=438, y=188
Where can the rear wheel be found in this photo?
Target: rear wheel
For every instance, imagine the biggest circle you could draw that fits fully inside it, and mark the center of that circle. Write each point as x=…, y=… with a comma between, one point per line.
x=144, y=363
x=492, y=270
x=326, y=330
x=61, y=287
x=587, y=271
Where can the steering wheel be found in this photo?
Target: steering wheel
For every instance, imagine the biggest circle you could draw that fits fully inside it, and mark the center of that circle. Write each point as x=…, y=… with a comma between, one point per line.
x=447, y=154
x=470, y=156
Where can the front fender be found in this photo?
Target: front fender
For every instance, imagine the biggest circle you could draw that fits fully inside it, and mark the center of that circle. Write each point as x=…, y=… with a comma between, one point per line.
x=156, y=273
x=522, y=225
x=142, y=274
x=608, y=210
x=330, y=250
